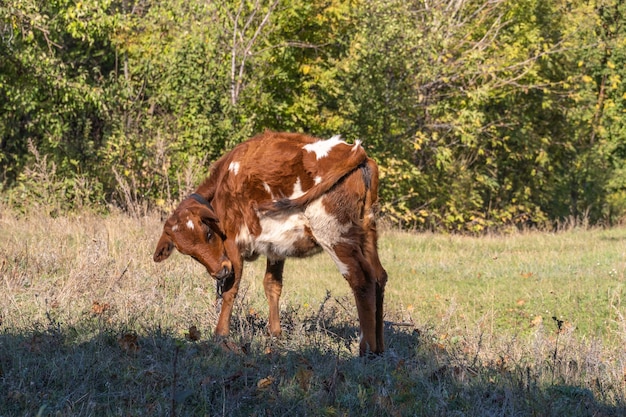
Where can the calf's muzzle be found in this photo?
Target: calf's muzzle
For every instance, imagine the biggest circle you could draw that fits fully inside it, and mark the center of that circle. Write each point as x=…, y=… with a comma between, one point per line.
x=225, y=272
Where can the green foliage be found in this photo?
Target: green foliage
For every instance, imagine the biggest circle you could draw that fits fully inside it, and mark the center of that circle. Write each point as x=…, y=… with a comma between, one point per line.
x=170, y=90
x=482, y=114
x=50, y=93
x=41, y=189
x=478, y=97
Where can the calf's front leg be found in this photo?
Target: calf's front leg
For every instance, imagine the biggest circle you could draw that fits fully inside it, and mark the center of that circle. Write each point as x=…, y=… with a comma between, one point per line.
x=273, y=285
x=230, y=289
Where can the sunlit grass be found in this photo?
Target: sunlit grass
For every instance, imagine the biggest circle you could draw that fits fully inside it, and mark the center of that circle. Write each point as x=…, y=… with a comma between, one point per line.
x=512, y=283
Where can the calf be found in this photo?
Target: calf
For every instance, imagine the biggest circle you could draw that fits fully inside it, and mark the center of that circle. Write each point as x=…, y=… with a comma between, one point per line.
x=286, y=195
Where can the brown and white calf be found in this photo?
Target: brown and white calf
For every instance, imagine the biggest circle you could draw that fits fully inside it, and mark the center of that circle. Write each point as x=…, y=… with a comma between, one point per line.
x=286, y=195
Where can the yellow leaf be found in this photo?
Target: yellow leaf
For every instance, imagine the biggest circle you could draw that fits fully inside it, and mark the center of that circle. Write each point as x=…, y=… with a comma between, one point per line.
x=99, y=308
x=265, y=382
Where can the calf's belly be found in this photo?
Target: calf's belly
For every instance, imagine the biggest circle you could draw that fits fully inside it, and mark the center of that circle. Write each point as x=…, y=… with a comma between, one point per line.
x=282, y=236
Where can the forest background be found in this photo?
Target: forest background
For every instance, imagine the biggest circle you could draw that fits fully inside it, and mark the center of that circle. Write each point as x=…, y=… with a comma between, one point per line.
x=482, y=114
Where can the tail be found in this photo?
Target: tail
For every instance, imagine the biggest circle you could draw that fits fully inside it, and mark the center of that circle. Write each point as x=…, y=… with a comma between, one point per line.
x=356, y=158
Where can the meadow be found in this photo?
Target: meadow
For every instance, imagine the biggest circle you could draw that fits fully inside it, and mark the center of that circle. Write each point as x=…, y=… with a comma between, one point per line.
x=522, y=324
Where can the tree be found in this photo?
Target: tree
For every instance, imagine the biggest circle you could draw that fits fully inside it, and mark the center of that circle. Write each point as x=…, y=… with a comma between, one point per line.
x=51, y=69
x=467, y=103
x=482, y=114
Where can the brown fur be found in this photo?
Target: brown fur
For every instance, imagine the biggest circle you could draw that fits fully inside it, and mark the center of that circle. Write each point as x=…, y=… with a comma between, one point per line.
x=284, y=195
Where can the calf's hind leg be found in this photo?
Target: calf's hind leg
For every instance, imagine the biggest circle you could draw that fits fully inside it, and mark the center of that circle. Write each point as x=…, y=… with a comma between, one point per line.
x=357, y=271
x=376, y=270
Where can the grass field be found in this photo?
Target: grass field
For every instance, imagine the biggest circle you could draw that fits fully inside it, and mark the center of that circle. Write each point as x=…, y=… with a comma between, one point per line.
x=529, y=324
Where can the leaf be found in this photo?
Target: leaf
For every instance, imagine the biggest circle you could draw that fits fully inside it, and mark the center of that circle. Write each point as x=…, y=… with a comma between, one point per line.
x=129, y=343
x=265, y=383
x=98, y=308
x=193, y=334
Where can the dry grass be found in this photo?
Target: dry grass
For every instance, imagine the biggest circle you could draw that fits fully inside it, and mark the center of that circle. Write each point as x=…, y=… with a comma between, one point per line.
x=89, y=325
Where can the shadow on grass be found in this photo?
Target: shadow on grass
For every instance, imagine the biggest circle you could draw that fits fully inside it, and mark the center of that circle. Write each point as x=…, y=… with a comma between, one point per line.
x=104, y=369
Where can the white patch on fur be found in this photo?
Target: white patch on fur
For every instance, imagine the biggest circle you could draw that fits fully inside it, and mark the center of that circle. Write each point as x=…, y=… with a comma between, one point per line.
x=234, y=167
x=278, y=237
x=297, y=190
x=323, y=224
x=190, y=224
x=244, y=240
x=175, y=228
x=327, y=231
x=343, y=268
x=267, y=188
x=282, y=231
x=322, y=147
x=317, y=180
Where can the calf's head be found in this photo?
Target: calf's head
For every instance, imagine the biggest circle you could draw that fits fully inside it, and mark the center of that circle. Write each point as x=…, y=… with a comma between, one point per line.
x=193, y=230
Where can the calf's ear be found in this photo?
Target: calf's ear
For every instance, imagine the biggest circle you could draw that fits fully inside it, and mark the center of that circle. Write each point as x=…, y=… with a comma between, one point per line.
x=206, y=215
x=164, y=248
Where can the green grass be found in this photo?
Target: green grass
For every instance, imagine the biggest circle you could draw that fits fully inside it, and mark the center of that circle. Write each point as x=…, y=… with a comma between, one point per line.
x=510, y=283
x=89, y=325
